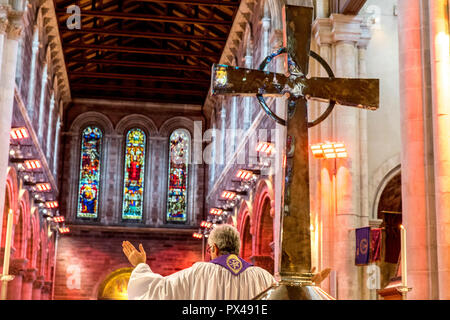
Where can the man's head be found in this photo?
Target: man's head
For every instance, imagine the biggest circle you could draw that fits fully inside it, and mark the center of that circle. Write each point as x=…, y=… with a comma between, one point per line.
x=224, y=239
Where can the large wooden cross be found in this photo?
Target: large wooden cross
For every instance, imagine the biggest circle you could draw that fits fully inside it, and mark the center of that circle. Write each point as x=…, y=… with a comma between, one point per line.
x=295, y=264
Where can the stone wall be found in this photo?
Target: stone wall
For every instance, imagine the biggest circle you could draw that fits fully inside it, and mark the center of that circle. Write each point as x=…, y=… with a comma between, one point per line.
x=115, y=119
x=88, y=255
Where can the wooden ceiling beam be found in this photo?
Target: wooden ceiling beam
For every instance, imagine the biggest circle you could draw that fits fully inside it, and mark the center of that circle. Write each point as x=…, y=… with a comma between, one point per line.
x=139, y=50
x=350, y=7
x=138, y=64
x=146, y=17
x=121, y=76
x=149, y=90
x=208, y=3
x=145, y=35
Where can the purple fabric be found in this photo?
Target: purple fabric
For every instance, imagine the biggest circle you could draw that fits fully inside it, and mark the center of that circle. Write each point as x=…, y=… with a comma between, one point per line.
x=236, y=265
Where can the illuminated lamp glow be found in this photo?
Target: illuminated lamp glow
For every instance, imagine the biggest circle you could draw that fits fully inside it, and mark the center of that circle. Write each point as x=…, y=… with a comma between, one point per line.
x=58, y=219
x=244, y=174
x=216, y=212
x=265, y=147
x=51, y=204
x=206, y=224
x=230, y=195
x=197, y=235
x=44, y=186
x=64, y=230
x=329, y=150
x=32, y=164
x=19, y=133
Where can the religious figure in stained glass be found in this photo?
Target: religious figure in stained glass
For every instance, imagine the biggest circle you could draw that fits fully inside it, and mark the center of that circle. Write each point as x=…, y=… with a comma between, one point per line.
x=88, y=191
x=178, y=175
x=133, y=190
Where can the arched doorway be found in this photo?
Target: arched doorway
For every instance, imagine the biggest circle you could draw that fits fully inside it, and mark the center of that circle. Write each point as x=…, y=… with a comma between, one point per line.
x=114, y=287
x=5, y=217
x=246, y=241
x=264, y=241
x=389, y=211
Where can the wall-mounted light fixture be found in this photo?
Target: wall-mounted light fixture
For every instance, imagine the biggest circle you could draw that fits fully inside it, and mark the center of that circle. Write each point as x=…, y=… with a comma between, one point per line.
x=265, y=147
x=43, y=187
x=329, y=150
x=51, y=204
x=19, y=133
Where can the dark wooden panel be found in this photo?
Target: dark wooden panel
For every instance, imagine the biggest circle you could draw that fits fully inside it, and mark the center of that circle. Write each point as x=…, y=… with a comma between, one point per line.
x=350, y=7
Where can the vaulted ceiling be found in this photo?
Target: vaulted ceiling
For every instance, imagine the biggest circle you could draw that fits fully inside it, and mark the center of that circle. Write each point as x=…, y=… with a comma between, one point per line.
x=144, y=50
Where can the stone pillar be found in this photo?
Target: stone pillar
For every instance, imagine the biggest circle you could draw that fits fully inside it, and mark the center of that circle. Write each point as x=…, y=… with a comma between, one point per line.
x=416, y=215
x=346, y=34
x=10, y=30
x=15, y=286
x=46, y=290
x=440, y=80
x=263, y=261
x=223, y=129
x=325, y=196
x=248, y=100
x=37, y=287
x=27, y=283
x=276, y=42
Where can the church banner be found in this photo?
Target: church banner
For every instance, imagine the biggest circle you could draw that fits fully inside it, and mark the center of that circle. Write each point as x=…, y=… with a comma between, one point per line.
x=362, y=257
x=375, y=244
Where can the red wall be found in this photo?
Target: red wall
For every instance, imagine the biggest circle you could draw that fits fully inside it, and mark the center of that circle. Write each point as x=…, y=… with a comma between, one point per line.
x=98, y=253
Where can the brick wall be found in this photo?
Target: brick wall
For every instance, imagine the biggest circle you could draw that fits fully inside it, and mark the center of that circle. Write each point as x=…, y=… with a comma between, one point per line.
x=98, y=253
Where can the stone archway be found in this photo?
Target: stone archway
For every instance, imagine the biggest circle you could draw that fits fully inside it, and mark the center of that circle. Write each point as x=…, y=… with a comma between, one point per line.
x=263, y=256
x=389, y=211
x=247, y=240
x=114, y=287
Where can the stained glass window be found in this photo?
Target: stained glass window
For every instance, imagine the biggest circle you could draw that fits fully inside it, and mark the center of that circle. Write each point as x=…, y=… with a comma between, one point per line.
x=178, y=175
x=88, y=191
x=133, y=190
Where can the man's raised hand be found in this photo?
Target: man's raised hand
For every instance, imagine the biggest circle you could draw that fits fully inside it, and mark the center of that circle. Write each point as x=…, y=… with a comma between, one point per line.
x=135, y=257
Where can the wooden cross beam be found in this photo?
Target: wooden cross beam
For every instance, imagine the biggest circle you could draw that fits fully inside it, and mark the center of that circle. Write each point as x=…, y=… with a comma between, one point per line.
x=295, y=262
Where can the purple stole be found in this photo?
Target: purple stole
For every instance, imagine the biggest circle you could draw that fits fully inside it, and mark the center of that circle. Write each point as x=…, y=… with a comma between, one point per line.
x=236, y=265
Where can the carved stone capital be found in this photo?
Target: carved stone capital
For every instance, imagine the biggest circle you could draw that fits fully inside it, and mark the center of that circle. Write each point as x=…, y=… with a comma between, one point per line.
x=3, y=24
x=29, y=275
x=16, y=267
x=47, y=287
x=366, y=35
x=39, y=282
x=276, y=39
x=346, y=28
x=341, y=27
x=322, y=31
x=15, y=25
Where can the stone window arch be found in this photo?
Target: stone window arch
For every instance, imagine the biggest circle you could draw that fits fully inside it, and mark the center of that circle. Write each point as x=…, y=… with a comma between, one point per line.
x=90, y=168
x=135, y=165
x=87, y=119
x=193, y=203
x=180, y=147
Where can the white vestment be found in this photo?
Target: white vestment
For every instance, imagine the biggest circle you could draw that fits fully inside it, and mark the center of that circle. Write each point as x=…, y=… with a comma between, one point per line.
x=202, y=281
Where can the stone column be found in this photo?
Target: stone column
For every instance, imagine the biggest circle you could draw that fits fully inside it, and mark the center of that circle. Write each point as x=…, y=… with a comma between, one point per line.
x=346, y=34
x=10, y=31
x=37, y=287
x=223, y=129
x=278, y=66
x=363, y=149
x=248, y=100
x=46, y=290
x=440, y=80
x=413, y=154
x=15, y=286
x=325, y=197
x=27, y=283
